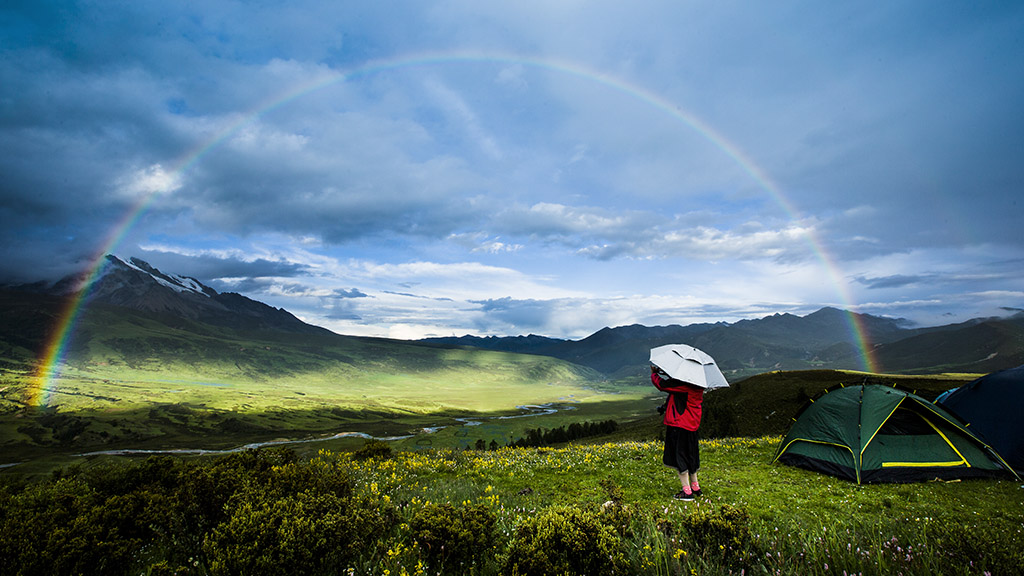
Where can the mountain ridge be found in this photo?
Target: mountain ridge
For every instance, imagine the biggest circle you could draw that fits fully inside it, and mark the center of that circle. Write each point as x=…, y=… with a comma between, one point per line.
x=136, y=285
x=827, y=338
x=822, y=339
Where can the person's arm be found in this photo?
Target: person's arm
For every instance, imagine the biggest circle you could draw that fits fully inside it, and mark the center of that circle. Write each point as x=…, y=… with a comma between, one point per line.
x=657, y=378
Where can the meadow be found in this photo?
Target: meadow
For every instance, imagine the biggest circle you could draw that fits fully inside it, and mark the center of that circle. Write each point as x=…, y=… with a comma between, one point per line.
x=133, y=381
x=83, y=496
x=600, y=508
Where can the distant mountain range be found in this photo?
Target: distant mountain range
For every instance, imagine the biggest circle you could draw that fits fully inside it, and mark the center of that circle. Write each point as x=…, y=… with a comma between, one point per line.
x=823, y=339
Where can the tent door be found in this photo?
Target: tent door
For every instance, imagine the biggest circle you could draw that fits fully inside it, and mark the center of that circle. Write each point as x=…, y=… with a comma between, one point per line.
x=909, y=439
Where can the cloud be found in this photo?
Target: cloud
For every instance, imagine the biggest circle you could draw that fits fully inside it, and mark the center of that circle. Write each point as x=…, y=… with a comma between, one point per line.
x=894, y=281
x=352, y=293
x=565, y=163
x=604, y=234
x=461, y=114
x=207, y=266
x=146, y=182
x=516, y=314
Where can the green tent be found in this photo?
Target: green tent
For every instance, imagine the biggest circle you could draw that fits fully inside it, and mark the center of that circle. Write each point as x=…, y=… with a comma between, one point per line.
x=872, y=433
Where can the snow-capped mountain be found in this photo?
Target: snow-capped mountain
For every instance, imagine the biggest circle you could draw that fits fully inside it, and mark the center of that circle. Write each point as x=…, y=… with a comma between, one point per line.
x=135, y=284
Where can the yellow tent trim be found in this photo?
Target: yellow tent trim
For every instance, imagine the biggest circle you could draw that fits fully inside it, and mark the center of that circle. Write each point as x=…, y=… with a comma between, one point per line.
x=786, y=447
x=939, y=432
x=924, y=464
x=873, y=434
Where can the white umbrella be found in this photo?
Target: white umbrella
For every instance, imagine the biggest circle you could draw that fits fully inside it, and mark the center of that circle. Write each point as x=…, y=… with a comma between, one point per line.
x=688, y=364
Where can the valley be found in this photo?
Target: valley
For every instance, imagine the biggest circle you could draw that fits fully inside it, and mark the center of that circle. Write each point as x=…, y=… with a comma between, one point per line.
x=161, y=363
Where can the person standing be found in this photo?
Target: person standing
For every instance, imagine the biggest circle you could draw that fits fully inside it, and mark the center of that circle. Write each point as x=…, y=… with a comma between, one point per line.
x=682, y=422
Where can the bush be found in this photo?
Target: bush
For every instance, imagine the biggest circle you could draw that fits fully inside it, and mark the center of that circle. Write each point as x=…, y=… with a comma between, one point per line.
x=454, y=538
x=720, y=536
x=563, y=540
x=304, y=519
x=66, y=527
x=373, y=449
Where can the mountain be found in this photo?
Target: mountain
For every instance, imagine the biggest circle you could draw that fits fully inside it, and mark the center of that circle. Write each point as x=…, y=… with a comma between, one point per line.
x=530, y=344
x=822, y=339
x=174, y=339
x=777, y=342
x=136, y=285
x=977, y=346
x=608, y=350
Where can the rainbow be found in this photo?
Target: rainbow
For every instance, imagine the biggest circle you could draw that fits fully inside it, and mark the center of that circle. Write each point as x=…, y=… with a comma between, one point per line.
x=50, y=363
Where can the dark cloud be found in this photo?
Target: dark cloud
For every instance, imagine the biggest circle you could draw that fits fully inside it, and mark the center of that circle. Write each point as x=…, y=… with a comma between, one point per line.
x=206, y=267
x=515, y=313
x=894, y=281
x=417, y=296
x=351, y=293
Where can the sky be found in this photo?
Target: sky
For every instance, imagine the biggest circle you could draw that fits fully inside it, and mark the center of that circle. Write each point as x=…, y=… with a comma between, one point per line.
x=414, y=169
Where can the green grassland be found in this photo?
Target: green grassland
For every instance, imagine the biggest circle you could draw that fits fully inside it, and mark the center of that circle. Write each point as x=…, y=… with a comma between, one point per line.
x=136, y=381
x=133, y=381
x=594, y=508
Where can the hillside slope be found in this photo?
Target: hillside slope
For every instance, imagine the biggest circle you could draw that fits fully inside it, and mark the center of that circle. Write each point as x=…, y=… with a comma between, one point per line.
x=979, y=346
x=145, y=380
x=766, y=403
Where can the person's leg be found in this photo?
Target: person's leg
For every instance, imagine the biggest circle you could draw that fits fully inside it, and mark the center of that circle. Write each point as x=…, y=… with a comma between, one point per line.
x=690, y=454
x=684, y=480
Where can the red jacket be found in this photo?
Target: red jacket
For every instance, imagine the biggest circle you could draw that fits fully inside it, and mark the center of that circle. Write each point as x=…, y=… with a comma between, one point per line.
x=684, y=400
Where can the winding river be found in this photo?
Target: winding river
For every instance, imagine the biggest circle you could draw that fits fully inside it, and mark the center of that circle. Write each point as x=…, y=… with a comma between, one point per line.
x=528, y=411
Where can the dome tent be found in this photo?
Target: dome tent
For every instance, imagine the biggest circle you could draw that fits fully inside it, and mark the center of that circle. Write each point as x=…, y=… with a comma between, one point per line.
x=992, y=406
x=872, y=433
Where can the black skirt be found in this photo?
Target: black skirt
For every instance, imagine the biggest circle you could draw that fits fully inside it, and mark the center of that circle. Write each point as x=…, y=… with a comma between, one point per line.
x=681, y=449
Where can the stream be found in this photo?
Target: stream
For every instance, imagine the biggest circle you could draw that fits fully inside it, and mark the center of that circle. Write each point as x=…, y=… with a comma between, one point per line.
x=528, y=411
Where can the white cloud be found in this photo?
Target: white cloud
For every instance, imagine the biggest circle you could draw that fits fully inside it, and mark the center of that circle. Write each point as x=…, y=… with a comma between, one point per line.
x=150, y=181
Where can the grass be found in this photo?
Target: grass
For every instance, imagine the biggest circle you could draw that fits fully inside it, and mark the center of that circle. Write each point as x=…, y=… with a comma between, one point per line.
x=755, y=517
x=799, y=522
x=132, y=380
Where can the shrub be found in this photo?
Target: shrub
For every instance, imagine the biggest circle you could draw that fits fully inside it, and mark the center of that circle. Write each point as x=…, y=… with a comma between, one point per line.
x=303, y=519
x=66, y=527
x=454, y=538
x=720, y=536
x=614, y=513
x=563, y=540
x=373, y=449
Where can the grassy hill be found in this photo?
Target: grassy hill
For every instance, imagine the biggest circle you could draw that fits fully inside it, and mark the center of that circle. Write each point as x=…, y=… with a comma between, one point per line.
x=985, y=346
x=423, y=503
x=134, y=380
x=766, y=404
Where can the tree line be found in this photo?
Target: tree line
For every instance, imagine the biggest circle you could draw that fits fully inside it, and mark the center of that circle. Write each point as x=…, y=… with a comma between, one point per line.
x=536, y=437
